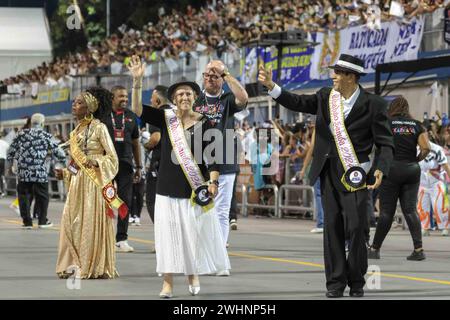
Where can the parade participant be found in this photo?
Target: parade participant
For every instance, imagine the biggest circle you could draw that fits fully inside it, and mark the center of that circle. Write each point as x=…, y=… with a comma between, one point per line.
x=124, y=132
x=31, y=147
x=349, y=121
x=86, y=239
x=158, y=100
x=219, y=108
x=403, y=179
x=432, y=193
x=187, y=232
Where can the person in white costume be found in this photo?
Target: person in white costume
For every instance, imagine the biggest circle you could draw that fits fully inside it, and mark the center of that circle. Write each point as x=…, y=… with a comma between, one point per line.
x=432, y=194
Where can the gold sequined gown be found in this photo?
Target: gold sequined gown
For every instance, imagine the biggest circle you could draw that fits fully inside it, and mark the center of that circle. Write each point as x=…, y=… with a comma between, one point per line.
x=87, y=238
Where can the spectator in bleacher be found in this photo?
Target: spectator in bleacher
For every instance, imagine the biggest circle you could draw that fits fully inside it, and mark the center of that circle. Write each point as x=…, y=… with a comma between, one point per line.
x=227, y=25
x=30, y=147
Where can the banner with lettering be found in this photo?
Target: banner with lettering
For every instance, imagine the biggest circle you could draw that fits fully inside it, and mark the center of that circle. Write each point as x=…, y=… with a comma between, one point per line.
x=56, y=95
x=394, y=41
x=295, y=64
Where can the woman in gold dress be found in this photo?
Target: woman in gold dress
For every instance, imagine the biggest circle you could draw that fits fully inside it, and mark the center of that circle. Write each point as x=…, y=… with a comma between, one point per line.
x=86, y=243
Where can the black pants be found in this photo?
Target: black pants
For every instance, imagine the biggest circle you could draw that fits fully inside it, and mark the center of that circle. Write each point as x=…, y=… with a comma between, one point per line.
x=2, y=176
x=345, y=218
x=150, y=194
x=402, y=183
x=25, y=191
x=124, y=180
x=138, y=198
x=233, y=207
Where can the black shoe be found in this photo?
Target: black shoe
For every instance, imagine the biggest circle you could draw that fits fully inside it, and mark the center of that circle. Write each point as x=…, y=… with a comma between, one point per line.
x=357, y=293
x=416, y=256
x=335, y=294
x=373, y=254
x=48, y=224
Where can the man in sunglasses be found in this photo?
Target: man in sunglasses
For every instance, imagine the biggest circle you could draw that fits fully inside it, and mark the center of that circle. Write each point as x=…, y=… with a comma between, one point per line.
x=219, y=107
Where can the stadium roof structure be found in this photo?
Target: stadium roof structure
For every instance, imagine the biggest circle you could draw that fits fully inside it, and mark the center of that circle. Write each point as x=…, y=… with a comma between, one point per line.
x=411, y=67
x=430, y=66
x=25, y=40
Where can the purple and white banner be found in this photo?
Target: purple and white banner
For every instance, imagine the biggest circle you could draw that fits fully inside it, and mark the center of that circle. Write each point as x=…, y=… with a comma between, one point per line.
x=394, y=41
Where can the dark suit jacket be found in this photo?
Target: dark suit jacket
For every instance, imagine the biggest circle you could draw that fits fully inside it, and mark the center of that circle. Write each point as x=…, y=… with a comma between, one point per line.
x=366, y=125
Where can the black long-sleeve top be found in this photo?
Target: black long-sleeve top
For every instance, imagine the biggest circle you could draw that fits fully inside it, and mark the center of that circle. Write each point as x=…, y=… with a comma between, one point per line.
x=171, y=179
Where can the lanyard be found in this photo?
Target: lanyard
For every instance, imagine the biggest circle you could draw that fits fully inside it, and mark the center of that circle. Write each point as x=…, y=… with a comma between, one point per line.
x=86, y=138
x=114, y=121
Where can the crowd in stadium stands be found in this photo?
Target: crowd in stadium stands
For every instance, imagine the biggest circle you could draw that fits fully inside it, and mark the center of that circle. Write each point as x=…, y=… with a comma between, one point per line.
x=221, y=26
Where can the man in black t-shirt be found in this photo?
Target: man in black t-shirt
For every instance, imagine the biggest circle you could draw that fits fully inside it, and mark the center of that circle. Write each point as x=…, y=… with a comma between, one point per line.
x=158, y=100
x=124, y=131
x=219, y=107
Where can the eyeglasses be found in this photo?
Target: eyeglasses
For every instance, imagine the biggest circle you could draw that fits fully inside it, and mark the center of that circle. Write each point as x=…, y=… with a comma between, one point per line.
x=210, y=76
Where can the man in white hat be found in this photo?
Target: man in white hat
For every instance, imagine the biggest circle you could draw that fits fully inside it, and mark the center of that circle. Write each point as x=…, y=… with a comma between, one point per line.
x=349, y=122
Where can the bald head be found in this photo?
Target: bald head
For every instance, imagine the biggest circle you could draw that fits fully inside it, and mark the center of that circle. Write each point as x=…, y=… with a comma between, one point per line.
x=212, y=77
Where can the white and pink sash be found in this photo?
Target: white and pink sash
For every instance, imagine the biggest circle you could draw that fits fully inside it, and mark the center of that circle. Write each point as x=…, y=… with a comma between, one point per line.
x=186, y=160
x=354, y=177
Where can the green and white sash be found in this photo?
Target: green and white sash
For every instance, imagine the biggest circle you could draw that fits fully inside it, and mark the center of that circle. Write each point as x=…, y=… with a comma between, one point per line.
x=187, y=162
x=354, y=177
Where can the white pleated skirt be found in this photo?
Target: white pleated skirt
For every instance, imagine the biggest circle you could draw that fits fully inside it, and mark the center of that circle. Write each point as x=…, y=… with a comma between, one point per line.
x=187, y=240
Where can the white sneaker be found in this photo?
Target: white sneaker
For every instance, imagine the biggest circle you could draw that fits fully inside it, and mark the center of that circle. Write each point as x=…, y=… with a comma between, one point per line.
x=131, y=220
x=233, y=224
x=123, y=246
x=425, y=232
x=444, y=233
x=223, y=273
x=137, y=222
x=317, y=230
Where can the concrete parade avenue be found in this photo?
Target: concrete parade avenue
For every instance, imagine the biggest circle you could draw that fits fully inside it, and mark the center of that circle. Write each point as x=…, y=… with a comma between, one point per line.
x=270, y=258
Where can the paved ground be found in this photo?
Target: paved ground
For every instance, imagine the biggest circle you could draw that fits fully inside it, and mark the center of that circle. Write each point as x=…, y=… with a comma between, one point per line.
x=271, y=259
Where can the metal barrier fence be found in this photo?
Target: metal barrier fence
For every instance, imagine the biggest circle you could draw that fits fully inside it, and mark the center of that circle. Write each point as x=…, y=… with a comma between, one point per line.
x=278, y=207
x=289, y=187
x=246, y=205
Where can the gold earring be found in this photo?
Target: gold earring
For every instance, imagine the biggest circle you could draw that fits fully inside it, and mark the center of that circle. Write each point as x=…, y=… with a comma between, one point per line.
x=89, y=118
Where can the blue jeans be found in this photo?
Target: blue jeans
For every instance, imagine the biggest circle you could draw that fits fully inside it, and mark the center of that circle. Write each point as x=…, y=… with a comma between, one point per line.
x=318, y=204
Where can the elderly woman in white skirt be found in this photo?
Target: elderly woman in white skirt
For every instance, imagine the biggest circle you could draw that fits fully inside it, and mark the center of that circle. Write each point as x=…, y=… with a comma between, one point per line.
x=187, y=232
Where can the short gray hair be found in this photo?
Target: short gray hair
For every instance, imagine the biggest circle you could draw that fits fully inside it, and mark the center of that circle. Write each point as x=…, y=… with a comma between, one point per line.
x=37, y=119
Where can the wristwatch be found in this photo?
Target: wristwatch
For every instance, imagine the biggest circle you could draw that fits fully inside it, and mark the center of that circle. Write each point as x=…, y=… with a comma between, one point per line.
x=216, y=182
